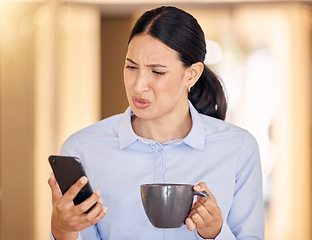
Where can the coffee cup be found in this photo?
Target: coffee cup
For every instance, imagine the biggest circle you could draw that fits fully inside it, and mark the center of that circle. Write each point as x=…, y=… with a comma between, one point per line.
x=168, y=205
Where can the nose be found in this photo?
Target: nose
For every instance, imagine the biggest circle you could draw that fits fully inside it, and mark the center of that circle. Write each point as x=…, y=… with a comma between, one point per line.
x=142, y=83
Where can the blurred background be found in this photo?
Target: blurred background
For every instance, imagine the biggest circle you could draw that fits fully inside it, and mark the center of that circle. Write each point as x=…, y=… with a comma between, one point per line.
x=61, y=69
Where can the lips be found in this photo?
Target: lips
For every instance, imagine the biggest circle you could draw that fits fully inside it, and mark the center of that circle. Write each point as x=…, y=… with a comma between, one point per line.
x=141, y=103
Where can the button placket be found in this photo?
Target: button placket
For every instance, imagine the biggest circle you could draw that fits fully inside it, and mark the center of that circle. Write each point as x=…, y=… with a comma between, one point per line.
x=157, y=147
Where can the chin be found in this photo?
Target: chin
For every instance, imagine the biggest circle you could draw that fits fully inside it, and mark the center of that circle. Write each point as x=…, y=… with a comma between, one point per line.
x=143, y=114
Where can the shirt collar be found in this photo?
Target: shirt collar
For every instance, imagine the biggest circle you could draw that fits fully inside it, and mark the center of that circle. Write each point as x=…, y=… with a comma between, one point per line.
x=126, y=135
x=195, y=138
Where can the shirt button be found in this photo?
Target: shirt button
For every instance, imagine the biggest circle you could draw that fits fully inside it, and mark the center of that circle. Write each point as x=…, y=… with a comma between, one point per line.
x=158, y=147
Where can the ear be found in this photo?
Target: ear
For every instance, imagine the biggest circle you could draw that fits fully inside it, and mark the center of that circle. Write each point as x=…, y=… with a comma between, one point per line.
x=195, y=71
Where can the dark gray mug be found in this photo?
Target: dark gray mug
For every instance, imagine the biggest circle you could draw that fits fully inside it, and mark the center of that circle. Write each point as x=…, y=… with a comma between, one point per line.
x=168, y=205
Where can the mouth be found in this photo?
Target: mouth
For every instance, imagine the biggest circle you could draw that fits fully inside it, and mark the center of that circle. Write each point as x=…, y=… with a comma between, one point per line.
x=141, y=103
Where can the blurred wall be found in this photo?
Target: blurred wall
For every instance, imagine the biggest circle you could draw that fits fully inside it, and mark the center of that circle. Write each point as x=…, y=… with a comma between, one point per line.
x=49, y=88
x=17, y=122
x=114, y=44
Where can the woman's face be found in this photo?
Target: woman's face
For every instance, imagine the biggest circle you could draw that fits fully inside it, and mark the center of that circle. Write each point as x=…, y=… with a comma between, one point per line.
x=155, y=79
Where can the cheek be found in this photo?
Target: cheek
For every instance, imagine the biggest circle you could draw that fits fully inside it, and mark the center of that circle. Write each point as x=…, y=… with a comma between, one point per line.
x=172, y=84
x=127, y=80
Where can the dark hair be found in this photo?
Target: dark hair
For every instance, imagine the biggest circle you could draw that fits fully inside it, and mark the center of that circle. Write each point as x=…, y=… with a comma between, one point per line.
x=180, y=31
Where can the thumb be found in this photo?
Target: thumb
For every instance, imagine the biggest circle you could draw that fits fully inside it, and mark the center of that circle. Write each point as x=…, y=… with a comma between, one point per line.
x=55, y=189
x=203, y=187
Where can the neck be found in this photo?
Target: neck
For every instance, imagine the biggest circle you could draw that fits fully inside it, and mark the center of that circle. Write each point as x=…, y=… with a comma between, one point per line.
x=165, y=129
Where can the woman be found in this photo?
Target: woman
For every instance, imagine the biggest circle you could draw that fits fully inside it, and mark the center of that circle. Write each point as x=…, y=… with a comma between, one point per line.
x=172, y=132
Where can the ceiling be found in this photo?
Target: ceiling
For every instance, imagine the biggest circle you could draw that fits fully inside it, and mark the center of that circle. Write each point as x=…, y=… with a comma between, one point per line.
x=129, y=7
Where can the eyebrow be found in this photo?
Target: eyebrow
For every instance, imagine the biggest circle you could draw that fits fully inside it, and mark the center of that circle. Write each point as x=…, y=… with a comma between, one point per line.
x=149, y=65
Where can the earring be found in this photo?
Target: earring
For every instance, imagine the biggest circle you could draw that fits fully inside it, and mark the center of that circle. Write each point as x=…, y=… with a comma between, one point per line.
x=188, y=89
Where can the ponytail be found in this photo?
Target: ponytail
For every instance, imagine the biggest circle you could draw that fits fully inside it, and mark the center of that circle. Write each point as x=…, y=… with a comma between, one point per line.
x=207, y=95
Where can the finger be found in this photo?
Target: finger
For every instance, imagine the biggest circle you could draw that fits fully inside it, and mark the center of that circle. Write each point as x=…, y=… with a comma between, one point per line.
x=88, y=203
x=203, y=211
x=190, y=224
x=203, y=187
x=210, y=206
x=197, y=219
x=101, y=214
x=55, y=189
x=75, y=188
x=200, y=187
x=97, y=213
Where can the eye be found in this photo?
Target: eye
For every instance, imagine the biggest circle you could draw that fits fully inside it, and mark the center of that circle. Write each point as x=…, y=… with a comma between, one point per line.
x=131, y=67
x=159, y=73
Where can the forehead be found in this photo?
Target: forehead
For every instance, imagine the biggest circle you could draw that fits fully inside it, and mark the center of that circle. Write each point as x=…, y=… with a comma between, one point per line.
x=148, y=49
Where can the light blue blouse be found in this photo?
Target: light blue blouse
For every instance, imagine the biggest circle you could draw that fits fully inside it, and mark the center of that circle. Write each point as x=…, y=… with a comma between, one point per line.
x=117, y=162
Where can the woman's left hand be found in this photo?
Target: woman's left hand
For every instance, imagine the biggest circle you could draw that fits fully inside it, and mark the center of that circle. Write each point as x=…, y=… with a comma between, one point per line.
x=205, y=215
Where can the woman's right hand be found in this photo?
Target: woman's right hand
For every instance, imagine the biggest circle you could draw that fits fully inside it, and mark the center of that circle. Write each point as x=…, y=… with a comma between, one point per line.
x=67, y=218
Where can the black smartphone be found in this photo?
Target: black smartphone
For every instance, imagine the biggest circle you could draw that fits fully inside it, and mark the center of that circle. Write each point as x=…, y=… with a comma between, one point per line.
x=67, y=171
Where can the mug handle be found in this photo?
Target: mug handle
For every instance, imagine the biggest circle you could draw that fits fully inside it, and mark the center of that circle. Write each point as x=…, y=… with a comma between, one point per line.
x=202, y=194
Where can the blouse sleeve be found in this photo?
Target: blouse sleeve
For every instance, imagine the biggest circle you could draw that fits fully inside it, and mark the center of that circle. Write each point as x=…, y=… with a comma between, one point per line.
x=246, y=217
x=71, y=147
